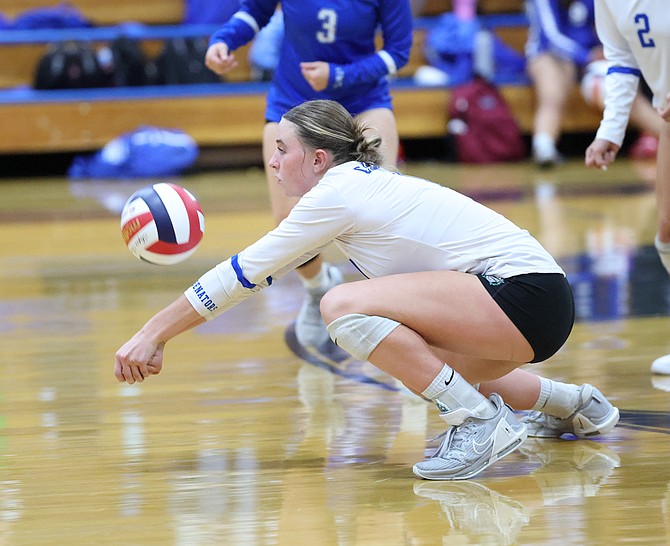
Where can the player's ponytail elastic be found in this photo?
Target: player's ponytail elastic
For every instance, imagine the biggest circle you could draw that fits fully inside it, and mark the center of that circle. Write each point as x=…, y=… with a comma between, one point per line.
x=367, y=148
x=327, y=125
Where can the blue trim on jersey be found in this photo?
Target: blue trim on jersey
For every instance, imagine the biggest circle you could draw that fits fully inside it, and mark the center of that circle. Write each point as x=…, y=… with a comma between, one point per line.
x=234, y=261
x=160, y=214
x=624, y=70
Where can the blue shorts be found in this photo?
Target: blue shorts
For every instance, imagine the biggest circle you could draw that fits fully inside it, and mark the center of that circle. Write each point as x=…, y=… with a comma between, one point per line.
x=540, y=305
x=355, y=103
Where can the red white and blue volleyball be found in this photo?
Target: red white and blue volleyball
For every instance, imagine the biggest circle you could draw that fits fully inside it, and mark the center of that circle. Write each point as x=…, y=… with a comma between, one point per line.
x=162, y=224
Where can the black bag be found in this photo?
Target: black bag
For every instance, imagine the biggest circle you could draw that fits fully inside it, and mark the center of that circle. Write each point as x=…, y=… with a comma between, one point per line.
x=131, y=68
x=183, y=61
x=70, y=65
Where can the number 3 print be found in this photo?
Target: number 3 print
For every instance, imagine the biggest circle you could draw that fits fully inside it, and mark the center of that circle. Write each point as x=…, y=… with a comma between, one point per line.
x=329, y=26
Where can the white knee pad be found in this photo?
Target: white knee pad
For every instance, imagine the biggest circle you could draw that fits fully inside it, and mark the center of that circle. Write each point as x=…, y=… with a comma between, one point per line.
x=359, y=335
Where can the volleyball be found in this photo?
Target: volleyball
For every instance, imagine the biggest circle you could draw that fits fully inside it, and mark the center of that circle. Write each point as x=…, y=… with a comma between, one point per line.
x=162, y=224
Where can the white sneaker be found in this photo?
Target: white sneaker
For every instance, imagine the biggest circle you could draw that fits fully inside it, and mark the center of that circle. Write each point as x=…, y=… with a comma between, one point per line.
x=547, y=158
x=310, y=329
x=661, y=365
x=473, y=445
x=595, y=415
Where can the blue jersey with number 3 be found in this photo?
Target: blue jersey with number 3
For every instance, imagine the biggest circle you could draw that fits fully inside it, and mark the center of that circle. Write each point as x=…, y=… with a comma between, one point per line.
x=340, y=32
x=567, y=32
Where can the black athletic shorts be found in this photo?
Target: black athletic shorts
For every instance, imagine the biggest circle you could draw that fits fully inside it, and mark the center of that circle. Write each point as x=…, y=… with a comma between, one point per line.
x=540, y=305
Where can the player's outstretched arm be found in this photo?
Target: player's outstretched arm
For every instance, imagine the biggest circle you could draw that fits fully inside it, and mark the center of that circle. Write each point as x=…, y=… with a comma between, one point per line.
x=142, y=355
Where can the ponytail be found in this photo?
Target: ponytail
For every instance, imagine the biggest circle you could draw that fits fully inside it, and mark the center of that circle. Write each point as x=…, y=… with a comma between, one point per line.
x=325, y=124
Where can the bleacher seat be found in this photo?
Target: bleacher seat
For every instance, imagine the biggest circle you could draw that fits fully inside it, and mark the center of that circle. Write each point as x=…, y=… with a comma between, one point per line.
x=225, y=114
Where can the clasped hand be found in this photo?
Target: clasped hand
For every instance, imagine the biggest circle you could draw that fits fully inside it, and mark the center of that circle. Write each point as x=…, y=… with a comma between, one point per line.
x=138, y=359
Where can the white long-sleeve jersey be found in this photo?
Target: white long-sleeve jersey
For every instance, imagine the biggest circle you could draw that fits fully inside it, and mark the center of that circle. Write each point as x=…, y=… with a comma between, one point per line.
x=636, y=39
x=385, y=223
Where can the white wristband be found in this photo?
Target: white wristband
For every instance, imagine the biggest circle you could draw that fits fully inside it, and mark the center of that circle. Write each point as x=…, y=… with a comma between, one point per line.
x=222, y=288
x=207, y=295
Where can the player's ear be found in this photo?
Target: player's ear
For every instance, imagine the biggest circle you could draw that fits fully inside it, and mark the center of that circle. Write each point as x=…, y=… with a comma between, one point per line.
x=321, y=160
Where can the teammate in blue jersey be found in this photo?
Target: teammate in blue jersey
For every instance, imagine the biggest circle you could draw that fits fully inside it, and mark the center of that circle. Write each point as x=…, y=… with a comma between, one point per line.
x=329, y=51
x=636, y=41
x=455, y=297
x=561, y=41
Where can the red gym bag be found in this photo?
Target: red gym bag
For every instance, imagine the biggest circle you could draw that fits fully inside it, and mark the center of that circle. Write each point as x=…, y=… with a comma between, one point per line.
x=482, y=126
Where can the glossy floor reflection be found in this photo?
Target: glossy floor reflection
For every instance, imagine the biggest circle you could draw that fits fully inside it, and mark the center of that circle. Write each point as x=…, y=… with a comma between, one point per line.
x=242, y=442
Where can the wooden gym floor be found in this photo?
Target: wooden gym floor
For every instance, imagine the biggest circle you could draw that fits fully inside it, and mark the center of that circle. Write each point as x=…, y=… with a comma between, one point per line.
x=242, y=442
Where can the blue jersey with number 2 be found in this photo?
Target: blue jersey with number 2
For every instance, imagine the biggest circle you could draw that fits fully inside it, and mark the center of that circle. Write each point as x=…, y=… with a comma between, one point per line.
x=636, y=41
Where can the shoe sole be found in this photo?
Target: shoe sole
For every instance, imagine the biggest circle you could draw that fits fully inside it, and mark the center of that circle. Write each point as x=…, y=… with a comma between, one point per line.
x=584, y=427
x=468, y=473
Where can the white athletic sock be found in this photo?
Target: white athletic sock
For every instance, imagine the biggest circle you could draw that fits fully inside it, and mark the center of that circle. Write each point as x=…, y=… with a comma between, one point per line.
x=317, y=281
x=543, y=144
x=663, y=253
x=557, y=399
x=451, y=392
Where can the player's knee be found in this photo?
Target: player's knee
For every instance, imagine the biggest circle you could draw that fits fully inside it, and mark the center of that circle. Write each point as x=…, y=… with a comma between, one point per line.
x=337, y=302
x=358, y=334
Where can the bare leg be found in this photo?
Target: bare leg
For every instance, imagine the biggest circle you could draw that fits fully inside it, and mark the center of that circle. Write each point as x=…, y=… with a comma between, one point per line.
x=439, y=311
x=449, y=317
x=662, y=364
x=663, y=184
x=383, y=122
x=644, y=117
x=553, y=79
x=519, y=388
x=445, y=310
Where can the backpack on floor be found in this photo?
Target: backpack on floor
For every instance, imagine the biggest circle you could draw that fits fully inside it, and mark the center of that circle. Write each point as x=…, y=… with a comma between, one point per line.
x=131, y=67
x=70, y=65
x=182, y=61
x=481, y=126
